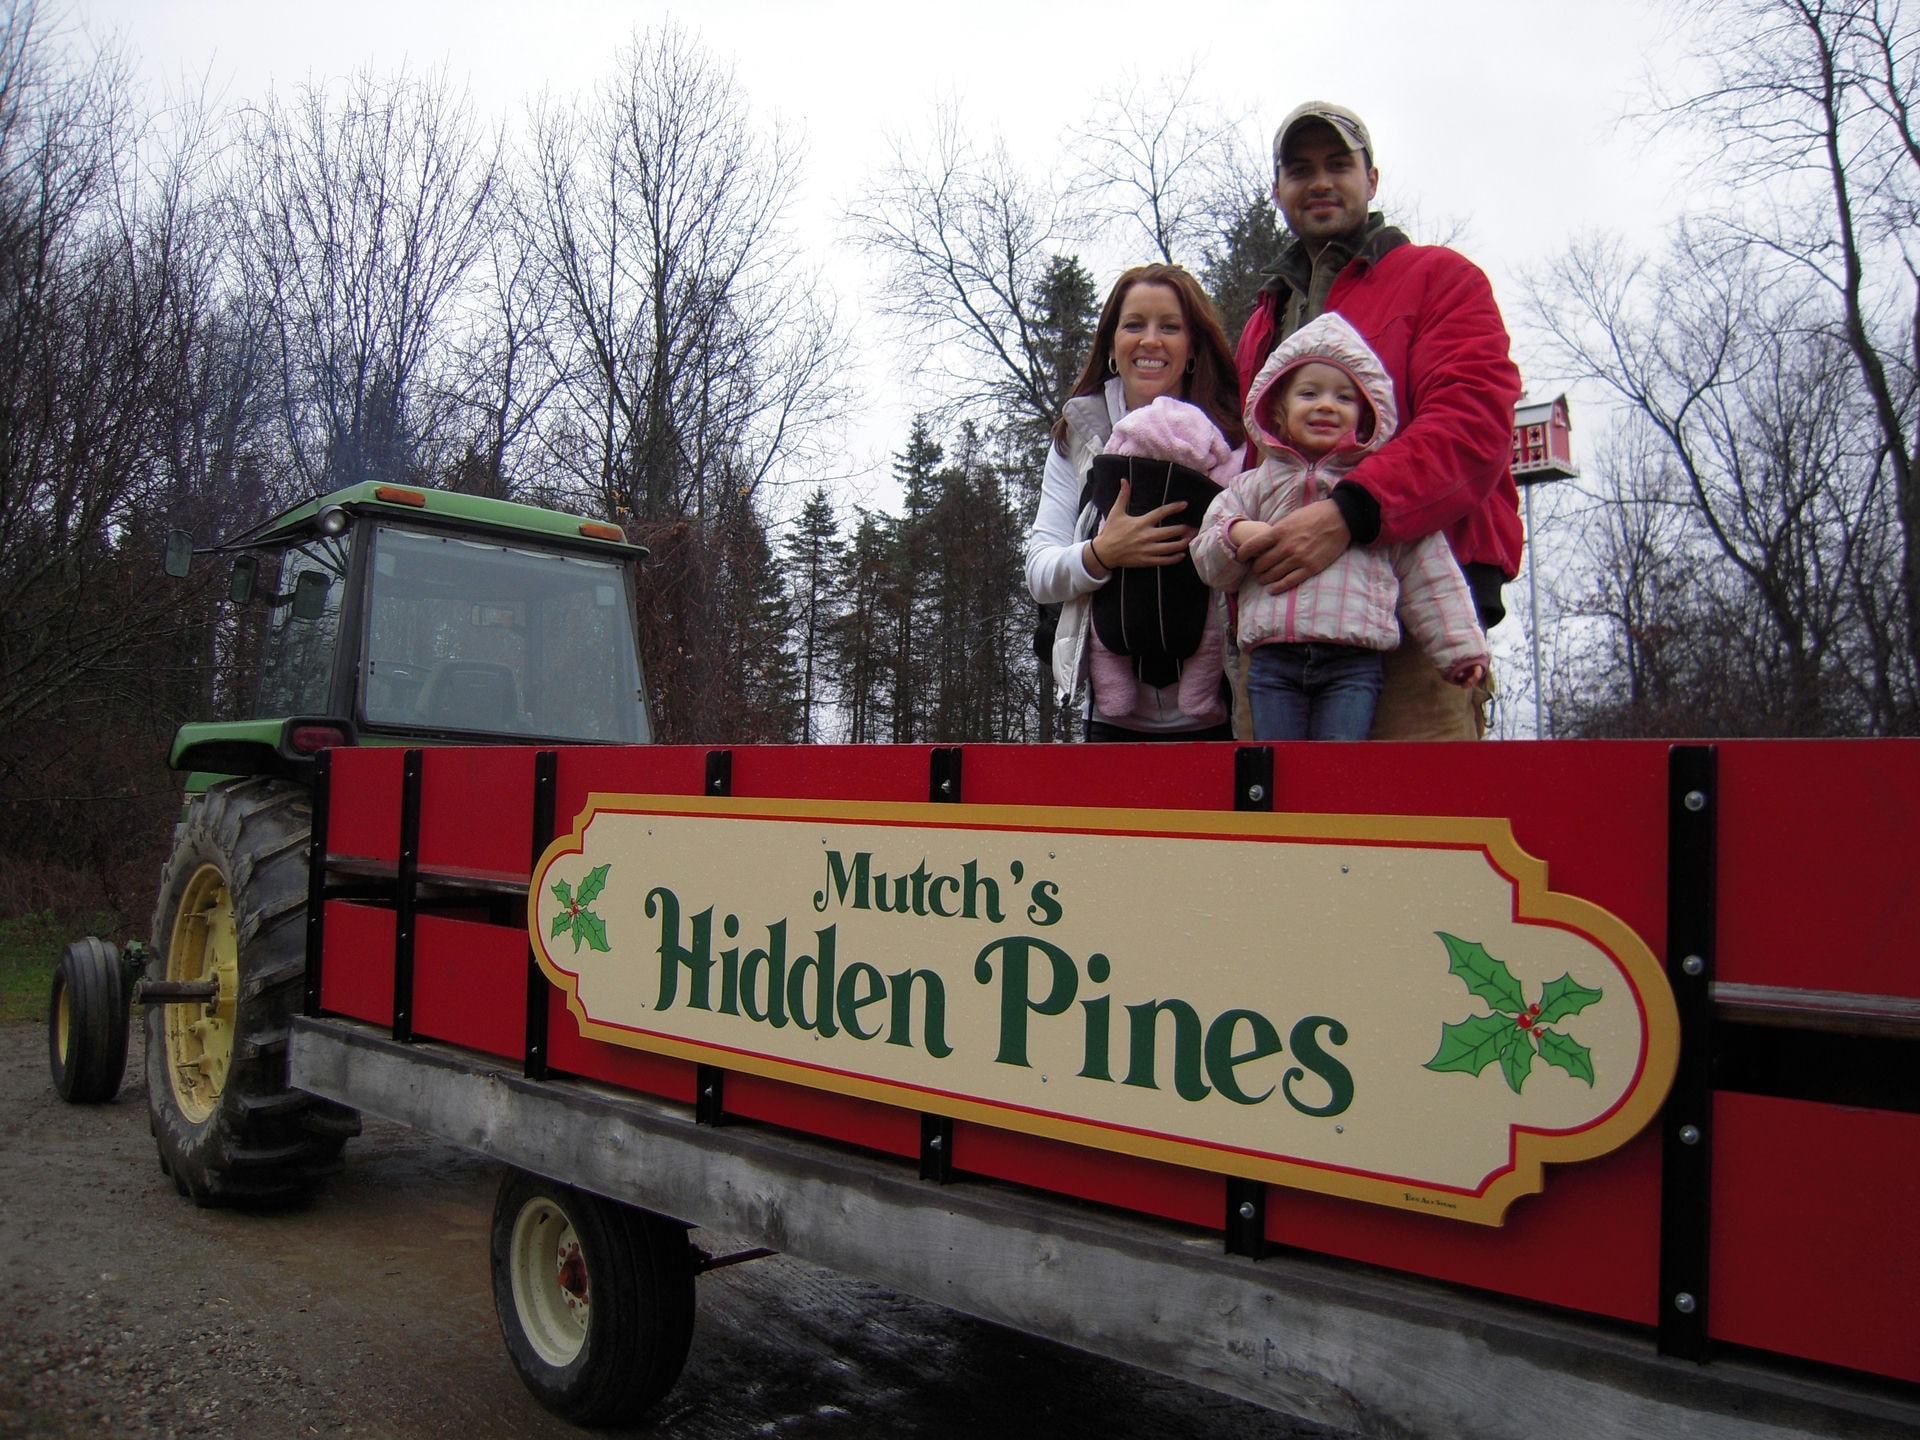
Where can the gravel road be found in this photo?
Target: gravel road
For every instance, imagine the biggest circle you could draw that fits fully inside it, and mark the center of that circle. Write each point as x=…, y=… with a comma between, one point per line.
x=127, y=1312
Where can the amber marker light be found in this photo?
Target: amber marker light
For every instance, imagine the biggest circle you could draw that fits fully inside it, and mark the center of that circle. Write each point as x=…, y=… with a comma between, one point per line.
x=594, y=530
x=394, y=495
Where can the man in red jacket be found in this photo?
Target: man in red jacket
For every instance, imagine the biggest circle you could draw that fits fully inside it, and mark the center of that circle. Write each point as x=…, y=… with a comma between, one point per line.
x=1429, y=313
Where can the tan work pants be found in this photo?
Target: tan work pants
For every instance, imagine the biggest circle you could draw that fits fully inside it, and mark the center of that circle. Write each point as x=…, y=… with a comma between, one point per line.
x=1417, y=703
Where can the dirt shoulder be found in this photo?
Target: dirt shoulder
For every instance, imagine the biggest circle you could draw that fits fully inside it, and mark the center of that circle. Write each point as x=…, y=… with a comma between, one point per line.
x=127, y=1312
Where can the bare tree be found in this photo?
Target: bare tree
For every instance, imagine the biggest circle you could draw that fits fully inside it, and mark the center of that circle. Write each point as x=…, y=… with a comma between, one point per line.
x=694, y=360
x=966, y=243
x=497, y=374
x=696, y=355
x=364, y=205
x=1161, y=164
x=1806, y=110
x=1751, y=399
x=123, y=394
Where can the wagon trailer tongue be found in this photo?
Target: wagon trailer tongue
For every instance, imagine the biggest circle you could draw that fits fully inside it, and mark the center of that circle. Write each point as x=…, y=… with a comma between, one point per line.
x=1379, y=1088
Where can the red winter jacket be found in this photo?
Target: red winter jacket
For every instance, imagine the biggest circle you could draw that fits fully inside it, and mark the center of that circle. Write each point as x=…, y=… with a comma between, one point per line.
x=1429, y=314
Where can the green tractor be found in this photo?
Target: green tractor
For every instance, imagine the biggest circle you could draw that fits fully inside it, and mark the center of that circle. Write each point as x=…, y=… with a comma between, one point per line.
x=390, y=616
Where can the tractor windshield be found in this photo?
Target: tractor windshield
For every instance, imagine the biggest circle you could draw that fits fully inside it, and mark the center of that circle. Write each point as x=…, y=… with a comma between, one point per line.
x=475, y=635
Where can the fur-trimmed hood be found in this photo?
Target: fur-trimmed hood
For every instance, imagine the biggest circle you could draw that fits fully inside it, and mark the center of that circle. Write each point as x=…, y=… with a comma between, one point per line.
x=1330, y=340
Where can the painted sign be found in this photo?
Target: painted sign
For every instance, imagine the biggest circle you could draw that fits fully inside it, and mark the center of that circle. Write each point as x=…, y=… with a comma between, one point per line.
x=1392, y=1008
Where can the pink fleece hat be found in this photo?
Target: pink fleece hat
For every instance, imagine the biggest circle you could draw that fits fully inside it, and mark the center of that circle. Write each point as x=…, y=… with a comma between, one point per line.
x=1170, y=429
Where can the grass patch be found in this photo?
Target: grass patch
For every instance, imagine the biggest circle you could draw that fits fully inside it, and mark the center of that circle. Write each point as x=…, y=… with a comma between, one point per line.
x=30, y=947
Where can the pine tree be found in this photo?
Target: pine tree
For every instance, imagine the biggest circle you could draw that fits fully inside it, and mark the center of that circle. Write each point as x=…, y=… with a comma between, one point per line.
x=909, y=584
x=856, y=638
x=1068, y=307
x=1235, y=267
x=813, y=554
x=764, y=672
x=1066, y=314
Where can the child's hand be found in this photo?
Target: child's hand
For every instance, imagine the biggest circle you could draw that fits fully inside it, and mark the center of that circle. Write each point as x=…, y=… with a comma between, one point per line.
x=1468, y=675
x=1249, y=538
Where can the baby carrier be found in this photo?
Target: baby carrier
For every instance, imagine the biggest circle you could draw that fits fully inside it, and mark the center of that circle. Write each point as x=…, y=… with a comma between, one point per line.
x=1154, y=615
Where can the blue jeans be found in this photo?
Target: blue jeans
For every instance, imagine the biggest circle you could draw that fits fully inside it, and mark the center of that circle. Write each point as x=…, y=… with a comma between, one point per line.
x=1312, y=690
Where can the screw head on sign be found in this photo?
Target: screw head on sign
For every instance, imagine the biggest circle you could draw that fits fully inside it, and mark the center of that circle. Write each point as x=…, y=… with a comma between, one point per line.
x=1689, y=1134
x=1256, y=793
x=1696, y=800
x=1693, y=965
x=1685, y=1303
x=934, y=1143
x=1246, y=1209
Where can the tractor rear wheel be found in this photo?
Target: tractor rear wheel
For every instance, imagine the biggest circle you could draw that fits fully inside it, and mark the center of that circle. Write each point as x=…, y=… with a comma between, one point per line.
x=87, y=1023
x=232, y=910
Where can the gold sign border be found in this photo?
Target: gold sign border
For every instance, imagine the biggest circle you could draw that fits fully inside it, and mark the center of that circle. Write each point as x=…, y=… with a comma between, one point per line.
x=1534, y=902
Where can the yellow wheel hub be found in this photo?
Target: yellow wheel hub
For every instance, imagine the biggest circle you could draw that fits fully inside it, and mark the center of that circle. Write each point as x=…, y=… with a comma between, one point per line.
x=63, y=1025
x=200, y=1037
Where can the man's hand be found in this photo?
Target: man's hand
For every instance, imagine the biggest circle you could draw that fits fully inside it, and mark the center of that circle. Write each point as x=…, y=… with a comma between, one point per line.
x=1297, y=547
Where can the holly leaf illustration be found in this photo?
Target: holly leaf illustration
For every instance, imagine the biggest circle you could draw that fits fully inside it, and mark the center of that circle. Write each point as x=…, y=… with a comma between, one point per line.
x=591, y=928
x=1564, y=997
x=1516, y=1060
x=1472, y=1044
x=562, y=923
x=1566, y=1052
x=563, y=892
x=1484, y=976
x=592, y=885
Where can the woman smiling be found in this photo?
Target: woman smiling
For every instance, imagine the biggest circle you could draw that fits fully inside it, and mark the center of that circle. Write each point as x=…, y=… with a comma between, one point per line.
x=1158, y=336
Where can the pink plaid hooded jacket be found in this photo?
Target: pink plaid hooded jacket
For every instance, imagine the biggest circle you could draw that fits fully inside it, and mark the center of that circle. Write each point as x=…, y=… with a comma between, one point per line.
x=1366, y=595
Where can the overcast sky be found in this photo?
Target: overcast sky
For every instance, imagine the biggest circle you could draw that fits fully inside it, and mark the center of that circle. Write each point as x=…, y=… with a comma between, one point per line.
x=1500, y=118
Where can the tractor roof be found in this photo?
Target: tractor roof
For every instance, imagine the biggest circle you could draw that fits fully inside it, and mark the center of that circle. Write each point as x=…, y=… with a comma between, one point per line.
x=445, y=506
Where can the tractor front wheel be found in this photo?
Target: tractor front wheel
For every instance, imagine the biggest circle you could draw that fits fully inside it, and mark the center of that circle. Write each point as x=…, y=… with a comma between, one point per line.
x=87, y=1023
x=232, y=912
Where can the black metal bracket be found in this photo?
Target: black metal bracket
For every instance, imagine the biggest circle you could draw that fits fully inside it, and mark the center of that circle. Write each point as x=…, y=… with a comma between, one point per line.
x=1686, y=1155
x=709, y=1095
x=1253, y=777
x=943, y=777
x=546, y=779
x=936, y=1131
x=710, y=1081
x=405, y=903
x=317, y=877
x=1246, y=1217
x=936, y=1149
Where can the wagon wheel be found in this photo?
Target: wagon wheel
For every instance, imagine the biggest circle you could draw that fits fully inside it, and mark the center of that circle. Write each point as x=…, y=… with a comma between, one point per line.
x=595, y=1298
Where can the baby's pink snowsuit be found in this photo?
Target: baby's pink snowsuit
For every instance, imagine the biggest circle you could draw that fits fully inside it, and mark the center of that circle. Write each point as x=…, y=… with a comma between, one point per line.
x=1168, y=429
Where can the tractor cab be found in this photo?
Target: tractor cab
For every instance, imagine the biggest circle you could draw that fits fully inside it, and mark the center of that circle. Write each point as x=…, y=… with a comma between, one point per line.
x=392, y=615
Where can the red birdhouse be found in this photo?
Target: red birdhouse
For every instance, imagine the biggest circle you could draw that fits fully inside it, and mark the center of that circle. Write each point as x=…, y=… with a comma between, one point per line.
x=1542, y=441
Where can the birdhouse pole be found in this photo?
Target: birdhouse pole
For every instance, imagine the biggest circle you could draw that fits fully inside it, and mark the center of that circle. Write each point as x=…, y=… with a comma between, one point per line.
x=1542, y=452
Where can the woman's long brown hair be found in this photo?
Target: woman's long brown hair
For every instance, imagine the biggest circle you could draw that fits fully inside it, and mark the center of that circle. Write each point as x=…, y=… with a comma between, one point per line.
x=1214, y=384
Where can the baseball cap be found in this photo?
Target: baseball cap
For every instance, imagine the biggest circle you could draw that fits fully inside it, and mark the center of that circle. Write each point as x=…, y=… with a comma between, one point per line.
x=1351, y=129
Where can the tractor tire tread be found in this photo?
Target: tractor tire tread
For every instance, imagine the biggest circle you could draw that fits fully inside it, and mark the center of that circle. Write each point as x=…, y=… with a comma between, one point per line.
x=263, y=1143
